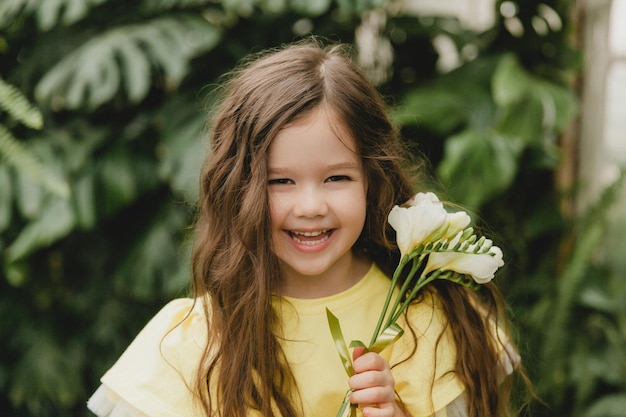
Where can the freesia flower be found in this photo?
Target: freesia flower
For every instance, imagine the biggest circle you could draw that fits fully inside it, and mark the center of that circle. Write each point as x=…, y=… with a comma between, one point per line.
x=481, y=266
x=413, y=224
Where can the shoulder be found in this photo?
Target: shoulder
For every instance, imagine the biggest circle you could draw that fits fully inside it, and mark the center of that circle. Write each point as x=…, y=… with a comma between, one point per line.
x=155, y=373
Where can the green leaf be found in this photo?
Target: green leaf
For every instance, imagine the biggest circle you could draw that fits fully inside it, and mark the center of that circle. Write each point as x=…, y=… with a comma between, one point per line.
x=478, y=165
x=608, y=406
x=311, y=7
x=29, y=196
x=340, y=342
x=137, y=71
x=530, y=106
x=24, y=160
x=438, y=109
x=18, y=106
x=6, y=198
x=84, y=198
x=9, y=9
x=46, y=373
x=387, y=337
x=457, y=99
x=510, y=82
x=182, y=147
x=91, y=75
x=523, y=119
x=52, y=12
x=154, y=265
x=116, y=180
x=56, y=220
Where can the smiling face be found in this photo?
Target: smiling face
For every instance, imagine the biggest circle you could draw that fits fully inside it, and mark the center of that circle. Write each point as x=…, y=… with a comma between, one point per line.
x=317, y=194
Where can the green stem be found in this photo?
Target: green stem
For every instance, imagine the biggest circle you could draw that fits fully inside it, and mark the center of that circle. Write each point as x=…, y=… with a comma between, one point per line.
x=417, y=262
x=383, y=313
x=421, y=284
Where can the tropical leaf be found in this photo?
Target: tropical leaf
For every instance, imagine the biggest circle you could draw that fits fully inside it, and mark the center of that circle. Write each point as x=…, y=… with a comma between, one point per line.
x=126, y=58
x=530, y=106
x=182, y=146
x=49, y=13
x=479, y=164
x=55, y=221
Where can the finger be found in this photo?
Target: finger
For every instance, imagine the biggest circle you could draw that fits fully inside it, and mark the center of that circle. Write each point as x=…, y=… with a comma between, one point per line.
x=358, y=351
x=371, y=379
x=382, y=410
x=369, y=361
x=373, y=395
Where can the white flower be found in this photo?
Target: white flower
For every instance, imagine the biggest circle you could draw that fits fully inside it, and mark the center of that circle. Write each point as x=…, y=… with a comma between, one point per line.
x=414, y=224
x=455, y=223
x=425, y=220
x=481, y=266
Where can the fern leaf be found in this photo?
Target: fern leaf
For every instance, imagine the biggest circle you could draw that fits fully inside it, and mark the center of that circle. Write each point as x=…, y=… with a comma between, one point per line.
x=124, y=59
x=17, y=155
x=18, y=106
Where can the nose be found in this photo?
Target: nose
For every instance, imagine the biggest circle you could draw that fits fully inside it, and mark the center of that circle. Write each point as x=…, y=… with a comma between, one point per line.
x=310, y=202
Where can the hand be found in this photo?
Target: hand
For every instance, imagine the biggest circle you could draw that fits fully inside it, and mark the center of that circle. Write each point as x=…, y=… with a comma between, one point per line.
x=373, y=385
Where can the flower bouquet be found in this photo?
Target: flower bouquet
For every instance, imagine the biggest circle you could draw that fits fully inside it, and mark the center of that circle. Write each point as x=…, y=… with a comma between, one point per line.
x=434, y=244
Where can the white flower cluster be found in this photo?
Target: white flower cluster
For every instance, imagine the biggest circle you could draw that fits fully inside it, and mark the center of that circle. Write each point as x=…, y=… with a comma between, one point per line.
x=425, y=227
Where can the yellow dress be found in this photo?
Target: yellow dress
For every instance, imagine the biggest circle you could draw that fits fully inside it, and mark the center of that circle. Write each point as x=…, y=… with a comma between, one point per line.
x=153, y=376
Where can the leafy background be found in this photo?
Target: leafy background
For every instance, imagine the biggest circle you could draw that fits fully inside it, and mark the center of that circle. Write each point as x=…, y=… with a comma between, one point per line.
x=103, y=107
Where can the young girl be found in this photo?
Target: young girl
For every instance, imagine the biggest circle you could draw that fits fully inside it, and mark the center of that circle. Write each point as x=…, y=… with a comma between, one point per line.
x=303, y=171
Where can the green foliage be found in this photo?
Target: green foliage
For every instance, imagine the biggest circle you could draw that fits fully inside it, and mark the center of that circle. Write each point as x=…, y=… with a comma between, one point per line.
x=492, y=111
x=16, y=153
x=49, y=13
x=122, y=57
x=14, y=102
x=584, y=319
x=124, y=89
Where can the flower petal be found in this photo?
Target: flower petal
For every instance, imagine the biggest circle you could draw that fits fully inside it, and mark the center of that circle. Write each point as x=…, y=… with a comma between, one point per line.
x=414, y=224
x=481, y=266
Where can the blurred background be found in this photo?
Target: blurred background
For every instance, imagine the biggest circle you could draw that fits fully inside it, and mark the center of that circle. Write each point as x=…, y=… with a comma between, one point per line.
x=520, y=107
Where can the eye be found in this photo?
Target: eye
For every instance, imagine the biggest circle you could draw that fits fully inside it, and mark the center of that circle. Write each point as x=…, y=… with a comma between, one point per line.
x=279, y=181
x=336, y=178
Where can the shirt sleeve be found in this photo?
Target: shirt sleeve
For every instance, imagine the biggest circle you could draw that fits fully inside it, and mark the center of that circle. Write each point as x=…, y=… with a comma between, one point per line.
x=427, y=381
x=153, y=377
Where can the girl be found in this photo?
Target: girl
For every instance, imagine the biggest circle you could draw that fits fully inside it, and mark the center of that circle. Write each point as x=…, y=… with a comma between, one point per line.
x=303, y=171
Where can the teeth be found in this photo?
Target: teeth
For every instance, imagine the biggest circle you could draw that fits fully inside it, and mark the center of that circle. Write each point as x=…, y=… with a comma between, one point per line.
x=310, y=242
x=323, y=234
x=310, y=234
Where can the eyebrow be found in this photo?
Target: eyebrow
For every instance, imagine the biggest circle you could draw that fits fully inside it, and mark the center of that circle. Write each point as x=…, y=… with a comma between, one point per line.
x=338, y=166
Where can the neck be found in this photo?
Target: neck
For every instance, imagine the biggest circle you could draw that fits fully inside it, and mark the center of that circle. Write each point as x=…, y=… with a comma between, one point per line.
x=340, y=278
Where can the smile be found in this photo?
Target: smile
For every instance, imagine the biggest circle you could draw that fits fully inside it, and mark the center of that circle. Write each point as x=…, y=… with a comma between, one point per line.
x=310, y=238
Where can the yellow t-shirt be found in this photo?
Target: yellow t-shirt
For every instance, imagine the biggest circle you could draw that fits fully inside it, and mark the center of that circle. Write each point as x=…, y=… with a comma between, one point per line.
x=154, y=373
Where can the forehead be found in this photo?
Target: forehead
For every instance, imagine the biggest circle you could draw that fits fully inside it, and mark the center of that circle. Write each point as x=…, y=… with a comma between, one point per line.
x=317, y=136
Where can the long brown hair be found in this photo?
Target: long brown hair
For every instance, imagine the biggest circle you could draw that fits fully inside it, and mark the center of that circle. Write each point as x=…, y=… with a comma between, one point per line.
x=234, y=269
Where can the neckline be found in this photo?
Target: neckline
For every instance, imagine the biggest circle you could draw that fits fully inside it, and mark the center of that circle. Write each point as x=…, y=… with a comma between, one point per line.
x=338, y=301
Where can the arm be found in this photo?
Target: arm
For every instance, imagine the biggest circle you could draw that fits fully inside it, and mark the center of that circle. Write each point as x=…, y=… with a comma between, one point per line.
x=373, y=386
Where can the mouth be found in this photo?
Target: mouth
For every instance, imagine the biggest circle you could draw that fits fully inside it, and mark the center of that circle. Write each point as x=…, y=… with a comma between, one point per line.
x=310, y=238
